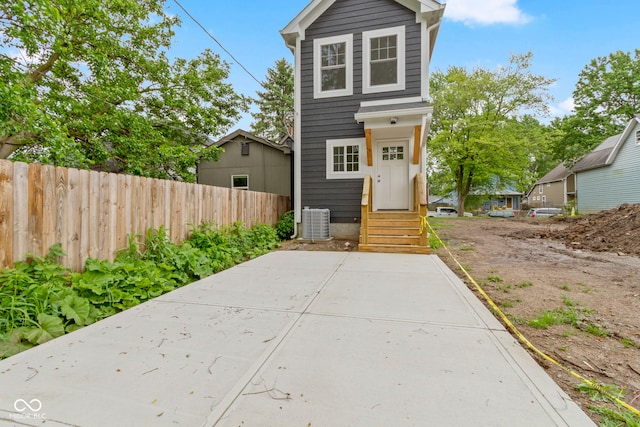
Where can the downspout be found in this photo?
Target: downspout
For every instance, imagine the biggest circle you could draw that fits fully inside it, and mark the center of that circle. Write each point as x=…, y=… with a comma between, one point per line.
x=297, y=134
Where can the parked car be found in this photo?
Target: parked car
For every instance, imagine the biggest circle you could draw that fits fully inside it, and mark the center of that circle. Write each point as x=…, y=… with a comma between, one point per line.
x=501, y=213
x=544, y=212
x=446, y=211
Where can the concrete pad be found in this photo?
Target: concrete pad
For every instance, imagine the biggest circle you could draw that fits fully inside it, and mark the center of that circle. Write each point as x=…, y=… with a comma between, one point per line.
x=356, y=372
x=292, y=338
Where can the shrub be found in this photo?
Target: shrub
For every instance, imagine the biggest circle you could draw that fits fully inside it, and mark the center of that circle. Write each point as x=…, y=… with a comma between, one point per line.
x=285, y=226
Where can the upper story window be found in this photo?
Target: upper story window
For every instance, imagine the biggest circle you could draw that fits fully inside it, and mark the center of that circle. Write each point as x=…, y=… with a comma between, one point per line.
x=638, y=137
x=383, y=59
x=333, y=66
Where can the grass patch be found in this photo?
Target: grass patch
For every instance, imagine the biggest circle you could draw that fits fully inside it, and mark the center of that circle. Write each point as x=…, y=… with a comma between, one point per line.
x=569, y=302
x=595, y=330
x=565, y=288
x=494, y=279
x=628, y=343
x=503, y=288
x=523, y=284
x=571, y=315
x=612, y=412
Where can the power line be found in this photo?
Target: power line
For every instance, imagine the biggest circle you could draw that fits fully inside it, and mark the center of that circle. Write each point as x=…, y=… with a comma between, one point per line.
x=218, y=43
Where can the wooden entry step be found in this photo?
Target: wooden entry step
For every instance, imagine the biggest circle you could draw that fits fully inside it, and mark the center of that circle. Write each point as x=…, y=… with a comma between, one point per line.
x=392, y=232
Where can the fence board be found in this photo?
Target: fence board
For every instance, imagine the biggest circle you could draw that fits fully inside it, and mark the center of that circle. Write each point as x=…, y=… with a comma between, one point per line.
x=85, y=215
x=60, y=212
x=20, y=210
x=48, y=176
x=6, y=214
x=92, y=214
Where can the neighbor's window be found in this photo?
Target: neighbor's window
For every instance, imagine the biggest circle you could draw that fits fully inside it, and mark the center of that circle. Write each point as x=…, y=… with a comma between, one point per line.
x=333, y=66
x=344, y=158
x=383, y=58
x=638, y=137
x=240, y=182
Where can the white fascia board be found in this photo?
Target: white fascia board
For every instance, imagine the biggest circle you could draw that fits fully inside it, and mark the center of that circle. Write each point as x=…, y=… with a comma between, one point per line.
x=390, y=101
x=309, y=14
x=361, y=117
x=623, y=137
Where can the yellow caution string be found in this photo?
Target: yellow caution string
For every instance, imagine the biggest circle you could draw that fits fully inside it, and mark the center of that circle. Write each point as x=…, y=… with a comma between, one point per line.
x=423, y=224
x=523, y=339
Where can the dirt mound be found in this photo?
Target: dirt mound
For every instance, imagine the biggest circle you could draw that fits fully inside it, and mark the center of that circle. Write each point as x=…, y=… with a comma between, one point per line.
x=615, y=230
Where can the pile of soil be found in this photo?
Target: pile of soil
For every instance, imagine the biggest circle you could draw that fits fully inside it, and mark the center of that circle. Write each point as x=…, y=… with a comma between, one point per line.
x=615, y=230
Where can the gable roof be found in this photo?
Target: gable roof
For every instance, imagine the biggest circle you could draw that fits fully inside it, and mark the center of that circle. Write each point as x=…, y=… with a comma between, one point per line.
x=430, y=10
x=558, y=173
x=605, y=153
x=598, y=157
x=249, y=137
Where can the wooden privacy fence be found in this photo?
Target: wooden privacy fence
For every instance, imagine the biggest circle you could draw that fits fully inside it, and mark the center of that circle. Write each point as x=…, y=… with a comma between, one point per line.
x=92, y=213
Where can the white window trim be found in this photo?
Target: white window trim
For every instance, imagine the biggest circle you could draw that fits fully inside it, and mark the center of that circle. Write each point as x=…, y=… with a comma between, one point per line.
x=638, y=137
x=363, y=169
x=317, y=62
x=366, y=55
x=239, y=176
x=540, y=189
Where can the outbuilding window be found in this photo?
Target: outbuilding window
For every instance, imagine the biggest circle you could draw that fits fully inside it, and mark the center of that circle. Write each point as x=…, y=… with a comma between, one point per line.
x=240, y=182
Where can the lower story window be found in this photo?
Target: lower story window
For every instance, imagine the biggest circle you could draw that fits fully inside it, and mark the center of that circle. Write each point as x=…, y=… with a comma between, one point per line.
x=346, y=158
x=240, y=182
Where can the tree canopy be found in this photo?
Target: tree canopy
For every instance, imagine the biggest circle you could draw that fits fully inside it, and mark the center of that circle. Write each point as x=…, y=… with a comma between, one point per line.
x=90, y=84
x=274, y=119
x=606, y=97
x=483, y=130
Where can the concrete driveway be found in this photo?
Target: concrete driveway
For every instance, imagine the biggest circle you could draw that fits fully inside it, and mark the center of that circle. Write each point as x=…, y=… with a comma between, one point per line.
x=293, y=339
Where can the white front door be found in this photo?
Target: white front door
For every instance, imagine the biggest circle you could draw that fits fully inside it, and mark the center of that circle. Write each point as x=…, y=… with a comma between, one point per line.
x=391, y=181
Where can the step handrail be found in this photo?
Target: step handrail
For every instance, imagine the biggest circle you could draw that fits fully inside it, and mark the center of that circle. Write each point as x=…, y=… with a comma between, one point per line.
x=420, y=206
x=366, y=208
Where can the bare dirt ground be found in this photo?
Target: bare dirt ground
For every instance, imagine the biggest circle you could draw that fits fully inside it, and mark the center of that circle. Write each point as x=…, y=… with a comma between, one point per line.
x=587, y=266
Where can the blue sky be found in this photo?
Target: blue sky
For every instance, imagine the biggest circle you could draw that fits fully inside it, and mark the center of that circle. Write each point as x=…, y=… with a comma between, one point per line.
x=564, y=36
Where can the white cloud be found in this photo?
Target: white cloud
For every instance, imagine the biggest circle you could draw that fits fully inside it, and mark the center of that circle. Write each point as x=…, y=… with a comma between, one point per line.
x=485, y=12
x=563, y=108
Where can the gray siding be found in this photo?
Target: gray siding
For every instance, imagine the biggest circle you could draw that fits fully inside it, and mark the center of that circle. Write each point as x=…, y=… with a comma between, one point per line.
x=333, y=118
x=269, y=169
x=610, y=186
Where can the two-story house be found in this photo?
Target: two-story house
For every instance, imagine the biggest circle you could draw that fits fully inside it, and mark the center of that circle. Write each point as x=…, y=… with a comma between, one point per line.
x=362, y=115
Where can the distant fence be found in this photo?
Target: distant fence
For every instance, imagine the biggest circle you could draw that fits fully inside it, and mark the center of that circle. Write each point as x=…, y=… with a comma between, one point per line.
x=92, y=213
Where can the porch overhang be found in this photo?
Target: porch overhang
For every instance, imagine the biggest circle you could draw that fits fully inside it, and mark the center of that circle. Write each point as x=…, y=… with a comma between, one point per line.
x=401, y=116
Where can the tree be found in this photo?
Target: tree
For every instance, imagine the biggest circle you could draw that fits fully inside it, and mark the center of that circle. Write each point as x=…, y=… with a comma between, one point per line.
x=606, y=97
x=479, y=131
x=89, y=84
x=274, y=120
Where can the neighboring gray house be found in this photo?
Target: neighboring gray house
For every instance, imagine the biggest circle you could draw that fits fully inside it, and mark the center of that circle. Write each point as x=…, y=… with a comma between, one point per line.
x=556, y=189
x=610, y=175
x=250, y=163
x=361, y=85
